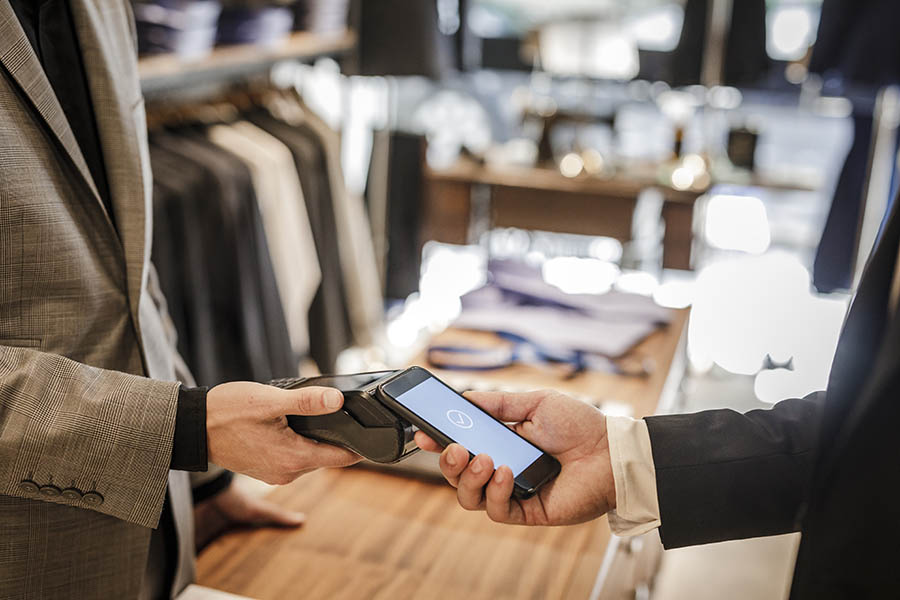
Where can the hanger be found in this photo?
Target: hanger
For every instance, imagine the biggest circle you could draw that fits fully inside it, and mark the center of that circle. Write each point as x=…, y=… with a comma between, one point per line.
x=223, y=108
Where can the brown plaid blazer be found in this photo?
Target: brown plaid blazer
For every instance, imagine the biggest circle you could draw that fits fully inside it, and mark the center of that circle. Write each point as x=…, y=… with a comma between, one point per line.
x=87, y=360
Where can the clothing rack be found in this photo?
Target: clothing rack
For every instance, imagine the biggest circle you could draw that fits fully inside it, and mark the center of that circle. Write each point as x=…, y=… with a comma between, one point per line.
x=255, y=177
x=166, y=73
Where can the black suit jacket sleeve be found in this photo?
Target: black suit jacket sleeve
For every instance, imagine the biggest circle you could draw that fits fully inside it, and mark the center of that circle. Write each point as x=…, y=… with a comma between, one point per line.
x=722, y=475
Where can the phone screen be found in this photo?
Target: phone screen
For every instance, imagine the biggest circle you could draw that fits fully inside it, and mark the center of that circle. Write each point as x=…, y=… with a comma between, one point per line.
x=466, y=424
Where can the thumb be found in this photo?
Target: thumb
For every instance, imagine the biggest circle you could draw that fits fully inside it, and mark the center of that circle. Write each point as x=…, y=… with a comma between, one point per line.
x=310, y=401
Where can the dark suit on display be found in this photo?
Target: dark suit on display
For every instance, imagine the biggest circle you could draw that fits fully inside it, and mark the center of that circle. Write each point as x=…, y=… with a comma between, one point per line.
x=825, y=465
x=329, y=323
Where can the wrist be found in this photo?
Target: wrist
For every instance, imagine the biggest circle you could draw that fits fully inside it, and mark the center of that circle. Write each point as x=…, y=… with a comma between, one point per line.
x=634, y=475
x=189, y=443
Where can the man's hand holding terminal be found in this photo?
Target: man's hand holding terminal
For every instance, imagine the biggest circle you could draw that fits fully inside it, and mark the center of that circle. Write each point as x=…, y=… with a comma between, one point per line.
x=247, y=431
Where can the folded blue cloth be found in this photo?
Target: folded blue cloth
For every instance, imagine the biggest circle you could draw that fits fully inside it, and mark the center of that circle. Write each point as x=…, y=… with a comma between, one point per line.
x=183, y=27
x=518, y=302
x=259, y=26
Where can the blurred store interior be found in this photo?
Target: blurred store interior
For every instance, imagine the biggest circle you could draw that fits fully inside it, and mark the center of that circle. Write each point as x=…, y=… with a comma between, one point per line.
x=621, y=162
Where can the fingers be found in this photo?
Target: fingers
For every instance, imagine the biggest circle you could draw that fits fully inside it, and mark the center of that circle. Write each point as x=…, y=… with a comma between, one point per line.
x=313, y=455
x=506, y=406
x=328, y=456
x=453, y=462
x=264, y=513
x=498, y=494
x=426, y=443
x=470, y=488
x=309, y=401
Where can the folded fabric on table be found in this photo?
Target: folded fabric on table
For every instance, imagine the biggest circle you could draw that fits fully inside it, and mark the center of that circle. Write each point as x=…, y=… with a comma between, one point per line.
x=518, y=302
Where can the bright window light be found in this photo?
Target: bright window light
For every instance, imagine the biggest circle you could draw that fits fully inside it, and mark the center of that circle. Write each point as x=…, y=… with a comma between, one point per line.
x=606, y=249
x=659, y=29
x=571, y=165
x=737, y=223
x=791, y=32
x=580, y=275
x=601, y=50
x=750, y=306
x=450, y=271
x=682, y=178
x=809, y=336
x=637, y=282
x=674, y=294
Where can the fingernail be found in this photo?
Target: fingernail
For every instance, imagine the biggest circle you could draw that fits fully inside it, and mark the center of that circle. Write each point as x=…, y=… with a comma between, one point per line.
x=450, y=460
x=476, y=466
x=333, y=399
x=500, y=476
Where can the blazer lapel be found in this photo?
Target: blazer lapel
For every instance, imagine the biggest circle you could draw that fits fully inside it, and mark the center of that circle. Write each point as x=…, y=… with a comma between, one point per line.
x=866, y=359
x=18, y=58
x=111, y=67
x=884, y=371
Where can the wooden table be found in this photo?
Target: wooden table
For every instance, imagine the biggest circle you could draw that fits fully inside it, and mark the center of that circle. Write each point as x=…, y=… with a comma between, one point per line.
x=372, y=534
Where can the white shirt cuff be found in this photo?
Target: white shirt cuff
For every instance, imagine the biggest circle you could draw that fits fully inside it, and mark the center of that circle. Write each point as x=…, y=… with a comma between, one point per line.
x=637, y=506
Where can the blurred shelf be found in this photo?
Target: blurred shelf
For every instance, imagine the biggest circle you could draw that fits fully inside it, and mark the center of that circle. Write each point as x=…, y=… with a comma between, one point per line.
x=626, y=184
x=164, y=73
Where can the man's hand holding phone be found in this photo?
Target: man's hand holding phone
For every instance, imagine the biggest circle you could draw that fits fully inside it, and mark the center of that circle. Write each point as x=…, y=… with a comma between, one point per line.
x=570, y=430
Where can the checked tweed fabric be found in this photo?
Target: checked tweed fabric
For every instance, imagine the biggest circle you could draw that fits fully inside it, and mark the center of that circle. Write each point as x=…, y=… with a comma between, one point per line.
x=87, y=361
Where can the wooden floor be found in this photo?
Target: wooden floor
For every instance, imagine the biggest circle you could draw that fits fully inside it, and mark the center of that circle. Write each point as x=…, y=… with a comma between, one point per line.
x=376, y=535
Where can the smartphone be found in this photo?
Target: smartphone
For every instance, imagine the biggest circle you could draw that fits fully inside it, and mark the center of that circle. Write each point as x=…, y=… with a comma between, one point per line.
x=445, y=415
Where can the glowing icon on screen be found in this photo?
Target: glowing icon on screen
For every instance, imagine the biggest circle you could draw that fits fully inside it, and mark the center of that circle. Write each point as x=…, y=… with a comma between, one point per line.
x=460, y=419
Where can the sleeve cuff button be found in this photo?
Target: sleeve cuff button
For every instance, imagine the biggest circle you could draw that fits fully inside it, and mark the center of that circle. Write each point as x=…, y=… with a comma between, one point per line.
x=51, y=491
x=71, y=494
x=29, y=487
x=92, y=498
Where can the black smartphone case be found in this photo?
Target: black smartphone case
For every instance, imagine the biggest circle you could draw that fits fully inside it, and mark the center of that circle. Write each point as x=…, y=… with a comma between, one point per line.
x=437, y=435
x=364, y=425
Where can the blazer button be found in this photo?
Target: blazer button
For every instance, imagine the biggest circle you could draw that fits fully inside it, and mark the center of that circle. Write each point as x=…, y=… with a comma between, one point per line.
x=92, y=498
x=28, y=486
x=71, y=494
x=51, y=491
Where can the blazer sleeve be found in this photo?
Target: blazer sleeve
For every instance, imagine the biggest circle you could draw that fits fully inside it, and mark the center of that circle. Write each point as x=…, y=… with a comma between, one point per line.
x=722, y=475
x=82, y=436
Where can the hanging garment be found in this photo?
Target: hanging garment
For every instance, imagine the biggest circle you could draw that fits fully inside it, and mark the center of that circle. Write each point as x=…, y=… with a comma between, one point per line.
x=745, y=61
x=232, y=301
x=284, y=217
x=401, y=207
x=357, y=252
x=858, y=41
x=355, y=237
x=402, y=37
x=181, y=262
x=329, y=321
x=857, y=52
